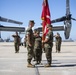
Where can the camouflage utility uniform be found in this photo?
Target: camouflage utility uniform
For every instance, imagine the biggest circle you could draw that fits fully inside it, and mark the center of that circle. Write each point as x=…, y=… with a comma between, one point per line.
x=16, y=42
x=29, y=48
x=58, y=43
x=25, y=39
x=48, y=46
x=38, y=49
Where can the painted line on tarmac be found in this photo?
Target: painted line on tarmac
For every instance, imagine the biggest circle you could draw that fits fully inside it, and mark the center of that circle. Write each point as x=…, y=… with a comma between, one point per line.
x=36, y=70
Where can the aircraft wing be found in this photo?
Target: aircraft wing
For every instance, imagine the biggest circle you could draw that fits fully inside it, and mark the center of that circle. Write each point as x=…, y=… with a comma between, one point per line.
x=55, y=28
x=6, y=28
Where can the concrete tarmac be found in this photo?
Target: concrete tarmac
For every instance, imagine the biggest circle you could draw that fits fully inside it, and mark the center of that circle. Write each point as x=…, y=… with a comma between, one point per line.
x=63, y=63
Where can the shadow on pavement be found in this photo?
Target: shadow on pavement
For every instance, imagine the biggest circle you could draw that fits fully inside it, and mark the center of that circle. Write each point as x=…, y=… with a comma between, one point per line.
x=66, y=65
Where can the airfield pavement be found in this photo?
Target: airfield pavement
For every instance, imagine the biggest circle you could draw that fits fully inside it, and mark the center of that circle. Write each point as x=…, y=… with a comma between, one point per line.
x=12, y=63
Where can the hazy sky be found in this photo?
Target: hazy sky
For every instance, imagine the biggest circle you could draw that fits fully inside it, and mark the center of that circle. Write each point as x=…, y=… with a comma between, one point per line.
x=25, y=10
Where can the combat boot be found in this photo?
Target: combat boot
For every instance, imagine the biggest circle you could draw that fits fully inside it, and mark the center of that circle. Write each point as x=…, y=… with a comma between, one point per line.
x=30, y=65
x=36, y=63
x=48, y=65
x=56, y=51
x=40, y=63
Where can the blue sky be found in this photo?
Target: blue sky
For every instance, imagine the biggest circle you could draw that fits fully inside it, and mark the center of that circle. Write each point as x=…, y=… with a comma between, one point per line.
x=25, y=10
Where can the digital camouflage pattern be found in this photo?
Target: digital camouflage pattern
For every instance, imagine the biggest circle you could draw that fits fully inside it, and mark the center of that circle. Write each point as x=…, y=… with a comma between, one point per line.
x=29, y=48
x=16, y=42
x=48, y=46
x=58, y=43
x=38, y=49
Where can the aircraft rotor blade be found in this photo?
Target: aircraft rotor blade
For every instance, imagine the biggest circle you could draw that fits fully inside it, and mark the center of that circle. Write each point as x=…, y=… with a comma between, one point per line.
x=59, y=19
x=9, y=20
x=68, y=17
x=67, y=7
x=73, y=19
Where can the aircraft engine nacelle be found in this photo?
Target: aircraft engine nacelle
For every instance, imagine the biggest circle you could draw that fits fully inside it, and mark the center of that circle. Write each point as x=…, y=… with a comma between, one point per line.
x=67, y=28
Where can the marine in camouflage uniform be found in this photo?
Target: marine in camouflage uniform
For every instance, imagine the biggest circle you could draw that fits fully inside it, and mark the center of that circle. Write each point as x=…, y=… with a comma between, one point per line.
x=16, y=42
x=29, y=43
x=25, y=39
x=48, y=44
x=38, y=48
x=58, y=42
x=34, y=33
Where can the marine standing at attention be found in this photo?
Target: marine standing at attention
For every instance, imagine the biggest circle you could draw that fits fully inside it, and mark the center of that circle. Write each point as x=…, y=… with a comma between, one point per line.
x=48, y=44
x=38, y=47
x=58, y=42
x=29, y=43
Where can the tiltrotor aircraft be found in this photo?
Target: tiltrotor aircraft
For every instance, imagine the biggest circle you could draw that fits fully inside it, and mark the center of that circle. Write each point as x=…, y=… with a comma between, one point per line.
x=67, y=22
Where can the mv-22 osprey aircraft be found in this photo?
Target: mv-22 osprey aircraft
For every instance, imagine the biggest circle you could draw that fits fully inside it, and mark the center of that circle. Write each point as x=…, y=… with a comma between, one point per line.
x=67, y=22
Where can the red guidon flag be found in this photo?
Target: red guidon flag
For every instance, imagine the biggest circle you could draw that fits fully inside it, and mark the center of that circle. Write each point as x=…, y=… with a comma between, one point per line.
x=45, y=16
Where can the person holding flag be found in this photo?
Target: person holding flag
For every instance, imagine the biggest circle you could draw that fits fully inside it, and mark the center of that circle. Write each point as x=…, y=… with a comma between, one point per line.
x=48, y=44
x=47, y=38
